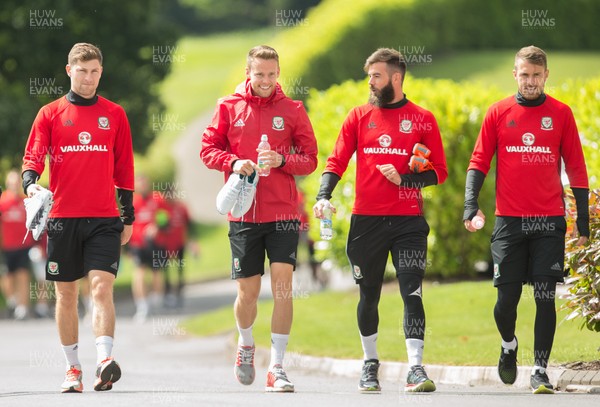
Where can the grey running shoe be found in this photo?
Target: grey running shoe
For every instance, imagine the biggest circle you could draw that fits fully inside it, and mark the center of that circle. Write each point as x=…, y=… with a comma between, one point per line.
x=107, y=373
x=368, y=379
x=417, y=380
x=277, y=381
x=540, y=384
x=244, y=365
x=507, y=365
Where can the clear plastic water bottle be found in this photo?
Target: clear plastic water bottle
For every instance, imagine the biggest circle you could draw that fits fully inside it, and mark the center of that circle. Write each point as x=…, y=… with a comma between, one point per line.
x=477, y=222
x=326, y=223
x=263, y=146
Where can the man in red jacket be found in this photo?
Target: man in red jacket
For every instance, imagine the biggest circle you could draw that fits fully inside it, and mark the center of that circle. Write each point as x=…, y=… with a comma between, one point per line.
x=387, y=217
x=88, y=141
x=530, y=133
x=229, y=144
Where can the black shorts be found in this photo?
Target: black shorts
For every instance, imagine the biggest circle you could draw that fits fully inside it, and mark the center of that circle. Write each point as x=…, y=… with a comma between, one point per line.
x=17, y=259
x=78, y=245
x=144, y=256
x=523, y=248
x=249, y=241
x=372, y=238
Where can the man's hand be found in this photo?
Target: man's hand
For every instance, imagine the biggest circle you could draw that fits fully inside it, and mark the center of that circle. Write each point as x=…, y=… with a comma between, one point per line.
x=468, y=224
x=390, y=172
x=318, y=208
x=244, y=167
x=32, y=189
x=126, y=234
x=272, y=159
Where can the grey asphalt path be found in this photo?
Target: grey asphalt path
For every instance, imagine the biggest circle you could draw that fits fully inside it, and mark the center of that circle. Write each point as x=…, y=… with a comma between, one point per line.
x=164, y=365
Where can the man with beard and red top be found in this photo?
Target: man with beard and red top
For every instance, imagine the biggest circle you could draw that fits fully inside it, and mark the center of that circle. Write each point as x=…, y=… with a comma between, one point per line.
x=88, y=141
x=387, y=217
x=15, y=283
x=229, y=144
x=530, y=133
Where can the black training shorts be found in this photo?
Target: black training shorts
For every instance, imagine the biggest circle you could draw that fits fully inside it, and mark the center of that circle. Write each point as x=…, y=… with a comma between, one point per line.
x=78, y=245
x=525, y=247
x=249, y=241
x=17, y=259
x=372, y=238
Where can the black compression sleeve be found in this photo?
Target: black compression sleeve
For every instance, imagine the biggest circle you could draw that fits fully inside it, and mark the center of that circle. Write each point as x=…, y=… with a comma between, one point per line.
x=583, y=212
x=420, y=180
x=127, y=209
x=328, y=182
x=29, y=177
x=473, y=185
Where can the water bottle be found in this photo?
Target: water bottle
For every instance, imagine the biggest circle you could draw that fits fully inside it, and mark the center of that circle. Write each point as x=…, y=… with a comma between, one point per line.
x=477, y=222
x=263, y=146
x=326, y=223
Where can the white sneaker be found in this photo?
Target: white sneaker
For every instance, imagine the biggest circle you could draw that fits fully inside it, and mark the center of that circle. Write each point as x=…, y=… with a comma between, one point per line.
x=37, y=208
x=277, y=381
x=246, y=196
x=229, y=193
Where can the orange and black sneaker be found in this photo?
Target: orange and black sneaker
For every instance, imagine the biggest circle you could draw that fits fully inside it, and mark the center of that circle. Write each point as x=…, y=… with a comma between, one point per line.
x=107, y=373
x=73, y=380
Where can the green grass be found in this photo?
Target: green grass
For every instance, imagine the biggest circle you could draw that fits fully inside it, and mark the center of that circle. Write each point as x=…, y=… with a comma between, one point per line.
x=200, y=74
x=460, y=326
x=495, y=67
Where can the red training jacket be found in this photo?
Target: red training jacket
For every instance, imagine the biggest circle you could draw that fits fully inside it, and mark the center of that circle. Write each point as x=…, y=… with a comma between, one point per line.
x=237, y=125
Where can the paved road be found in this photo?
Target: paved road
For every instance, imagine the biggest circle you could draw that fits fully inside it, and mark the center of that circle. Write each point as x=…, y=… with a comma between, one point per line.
x=165, y=365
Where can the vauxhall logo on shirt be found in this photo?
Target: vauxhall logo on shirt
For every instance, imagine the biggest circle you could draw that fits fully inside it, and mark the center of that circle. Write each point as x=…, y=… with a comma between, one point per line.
x=385, y=141
x=528, y=146
x=85, y=139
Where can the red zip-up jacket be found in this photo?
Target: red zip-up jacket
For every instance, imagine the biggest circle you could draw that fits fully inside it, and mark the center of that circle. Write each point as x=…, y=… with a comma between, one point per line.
x=237, y=125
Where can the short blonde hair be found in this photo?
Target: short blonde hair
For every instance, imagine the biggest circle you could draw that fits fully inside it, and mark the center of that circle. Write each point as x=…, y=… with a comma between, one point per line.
x=532, y=54
x=84, y=52
x=262, y=52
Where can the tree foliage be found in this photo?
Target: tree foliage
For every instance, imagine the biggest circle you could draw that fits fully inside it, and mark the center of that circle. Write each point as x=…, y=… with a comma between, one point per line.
x=35, y=38
x=333, y=46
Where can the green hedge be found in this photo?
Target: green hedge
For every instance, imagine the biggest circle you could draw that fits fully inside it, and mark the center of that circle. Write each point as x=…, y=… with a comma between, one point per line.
x=459, y=109
x=338, y=35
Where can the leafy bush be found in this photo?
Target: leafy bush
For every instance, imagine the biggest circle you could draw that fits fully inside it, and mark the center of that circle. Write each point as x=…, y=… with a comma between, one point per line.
x=583, y=297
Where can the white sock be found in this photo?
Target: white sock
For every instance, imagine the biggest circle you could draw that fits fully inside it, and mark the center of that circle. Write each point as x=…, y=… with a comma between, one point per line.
x=369, y=345
x=512, y=345
x=245, y=338
x=278, y=344
x=71, y=355
x=104, y=345
x=538, y=368
x=414, y=350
